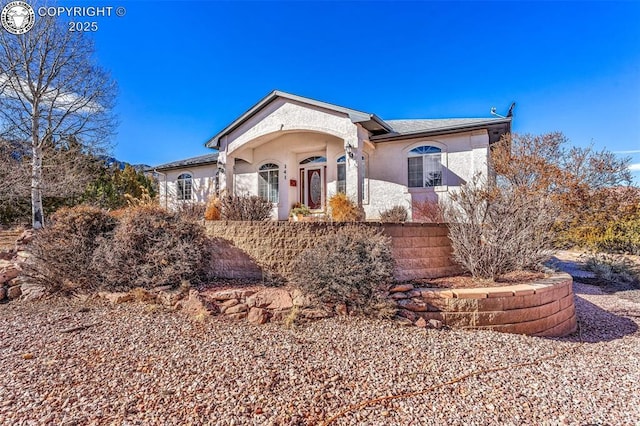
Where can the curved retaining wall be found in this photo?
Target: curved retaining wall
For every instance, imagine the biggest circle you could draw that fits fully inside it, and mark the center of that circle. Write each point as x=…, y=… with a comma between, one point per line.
x=543, y=308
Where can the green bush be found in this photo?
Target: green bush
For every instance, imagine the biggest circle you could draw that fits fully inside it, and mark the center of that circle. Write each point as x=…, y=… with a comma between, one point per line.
x=612, y=268
x=62, y=253
x=395, y=214
x=152, y=247
x=621, y=236
x=351, y=266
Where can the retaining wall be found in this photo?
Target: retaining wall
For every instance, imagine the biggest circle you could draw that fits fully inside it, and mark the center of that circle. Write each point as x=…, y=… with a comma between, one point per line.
x=544, y=308
x=421, y=250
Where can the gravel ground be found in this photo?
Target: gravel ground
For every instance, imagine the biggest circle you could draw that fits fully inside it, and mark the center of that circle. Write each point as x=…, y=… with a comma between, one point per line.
x=138, y=364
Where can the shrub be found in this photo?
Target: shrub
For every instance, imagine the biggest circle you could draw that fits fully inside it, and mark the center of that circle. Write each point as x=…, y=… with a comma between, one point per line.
x=427, y=211
x=395, y=214
x=612, y=269
x=343, y=209
x=494, y=230
x=621, y=236
x=152, y=247
x=299, y=209
x=212, y=212
x=245, y=207
x=191, y=211
x=350, y=266
x=62, y=253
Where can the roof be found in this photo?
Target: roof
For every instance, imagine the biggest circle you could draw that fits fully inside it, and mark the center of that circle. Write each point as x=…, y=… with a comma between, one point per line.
x=419, y=127
x=369, y=121
x=381, y=130
x=193, y=161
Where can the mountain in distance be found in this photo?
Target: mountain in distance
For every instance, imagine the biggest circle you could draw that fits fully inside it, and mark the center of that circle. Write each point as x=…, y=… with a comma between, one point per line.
x=110, y=161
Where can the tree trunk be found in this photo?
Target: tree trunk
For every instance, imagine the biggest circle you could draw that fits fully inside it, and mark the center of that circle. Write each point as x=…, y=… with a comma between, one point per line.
x=37, y=214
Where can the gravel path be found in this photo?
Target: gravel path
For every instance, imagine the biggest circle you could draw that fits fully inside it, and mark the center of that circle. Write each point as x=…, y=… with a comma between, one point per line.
x=136, y=364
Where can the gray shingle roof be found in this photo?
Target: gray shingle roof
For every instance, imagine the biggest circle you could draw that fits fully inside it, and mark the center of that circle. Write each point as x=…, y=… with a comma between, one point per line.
x=426, y=125
x=193, y=161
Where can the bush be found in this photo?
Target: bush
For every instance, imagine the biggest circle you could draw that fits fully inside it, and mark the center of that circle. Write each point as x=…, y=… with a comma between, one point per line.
x=212, y=212
x=427, y=211
x=62, y=253
x=495, y=231
x=152, y=247
x=395, y=214
x=350, y=267
x=343, y=209
x=621, y=236
x=612, y=269
x=245, y=207
x=191, y=211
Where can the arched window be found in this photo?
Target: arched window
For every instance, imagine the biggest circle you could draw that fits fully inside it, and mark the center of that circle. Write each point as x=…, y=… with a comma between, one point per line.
x=342, y=177
x=425, y=167
x=268, y=182
x=185, y=184
x=314, y=159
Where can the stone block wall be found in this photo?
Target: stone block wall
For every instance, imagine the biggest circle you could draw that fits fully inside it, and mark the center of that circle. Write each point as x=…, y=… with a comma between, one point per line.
x=543, y=308
x=421, y=250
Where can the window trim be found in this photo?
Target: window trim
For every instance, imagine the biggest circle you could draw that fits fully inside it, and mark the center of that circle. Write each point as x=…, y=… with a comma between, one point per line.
x=365, y=177
x=180, y=193
x=270, y=170
x=444, y=158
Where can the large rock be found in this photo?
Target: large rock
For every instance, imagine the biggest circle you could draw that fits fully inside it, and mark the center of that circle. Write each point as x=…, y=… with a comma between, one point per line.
x=300, y=299
x=235, y=309
x=32, y=291
x=271, y=298
x=228, y=294
x=258, y=316
x=401, y=288
x=196, y=305
x=414, y=305
x=14, y=292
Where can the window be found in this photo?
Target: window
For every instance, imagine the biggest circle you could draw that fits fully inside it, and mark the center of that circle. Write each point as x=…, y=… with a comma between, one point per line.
x=342, y=174
x=184, y=187
x=342, y=177
x=314, y=159
x=425, y=167
x=268, y=182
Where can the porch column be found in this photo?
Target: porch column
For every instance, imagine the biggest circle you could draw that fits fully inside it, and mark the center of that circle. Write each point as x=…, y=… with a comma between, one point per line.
x=225, y=170
x=354, y=165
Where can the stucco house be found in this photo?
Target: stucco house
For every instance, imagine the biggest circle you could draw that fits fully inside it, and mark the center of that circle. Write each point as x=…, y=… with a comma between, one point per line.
x=291, y=149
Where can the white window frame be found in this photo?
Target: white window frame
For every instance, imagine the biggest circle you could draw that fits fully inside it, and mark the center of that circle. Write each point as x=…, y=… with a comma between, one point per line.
x=365, y=178
x=269, y=168
x=184, y=184
x=426, y=157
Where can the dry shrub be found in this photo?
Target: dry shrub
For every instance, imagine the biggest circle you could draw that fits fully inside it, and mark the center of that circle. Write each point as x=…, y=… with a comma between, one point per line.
x=62, y=253
x=613, y=269
x=427, y=211
x=212, y=212
x=152, y=247
x=351, y=266
x=343, y=209
x=495, y=231
x=245, y=207
x=191, y=211
x=395, y=214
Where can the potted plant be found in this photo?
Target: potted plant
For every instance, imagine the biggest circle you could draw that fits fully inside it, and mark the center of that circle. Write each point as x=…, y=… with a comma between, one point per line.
x=298, y=212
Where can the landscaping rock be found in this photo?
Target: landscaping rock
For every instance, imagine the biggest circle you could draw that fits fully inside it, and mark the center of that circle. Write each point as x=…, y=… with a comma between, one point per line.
x=196, y=305
x=300, y=299
x=258, y=316
x=411, y=316
x=271, y=298
x=3, y=293
x=413, y=305
x=240, y=307
x=434, y=323
x=238, y=316
x=230, y=302
x=14, y=292
x=8, y=272
x=401, y=288
x=228, y=294
x=170, y=297
x=341, y=309
x=398, y=295
x=422, y=323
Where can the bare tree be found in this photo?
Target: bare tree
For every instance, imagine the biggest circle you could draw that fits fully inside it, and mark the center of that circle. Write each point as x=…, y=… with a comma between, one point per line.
x=51, y=93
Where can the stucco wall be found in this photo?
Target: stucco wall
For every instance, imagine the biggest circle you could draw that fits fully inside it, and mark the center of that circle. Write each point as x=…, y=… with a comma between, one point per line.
x=420, y=250
x=203, y=185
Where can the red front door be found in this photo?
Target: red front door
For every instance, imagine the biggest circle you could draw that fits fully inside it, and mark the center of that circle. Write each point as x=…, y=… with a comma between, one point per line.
x=314, y=189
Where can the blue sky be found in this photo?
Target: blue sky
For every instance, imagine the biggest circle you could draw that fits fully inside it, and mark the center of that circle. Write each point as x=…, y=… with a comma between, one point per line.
x=186, y=69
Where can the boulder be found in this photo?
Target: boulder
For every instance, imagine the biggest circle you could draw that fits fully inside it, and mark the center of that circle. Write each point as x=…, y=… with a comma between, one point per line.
x=32, y=291
x=14, y=292
x=411, y=316
x=271, y=298
x=235, y=309
x=414, y=305
x=434, y=323
x=422, y=323
x=196, y=305
x=300, y=299
x=401, y=288
x=258, y=316
x=228, y=294
x=8, y=273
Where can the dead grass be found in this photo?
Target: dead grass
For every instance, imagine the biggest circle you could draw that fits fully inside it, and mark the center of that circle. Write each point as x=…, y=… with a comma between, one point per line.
x=467, y=281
